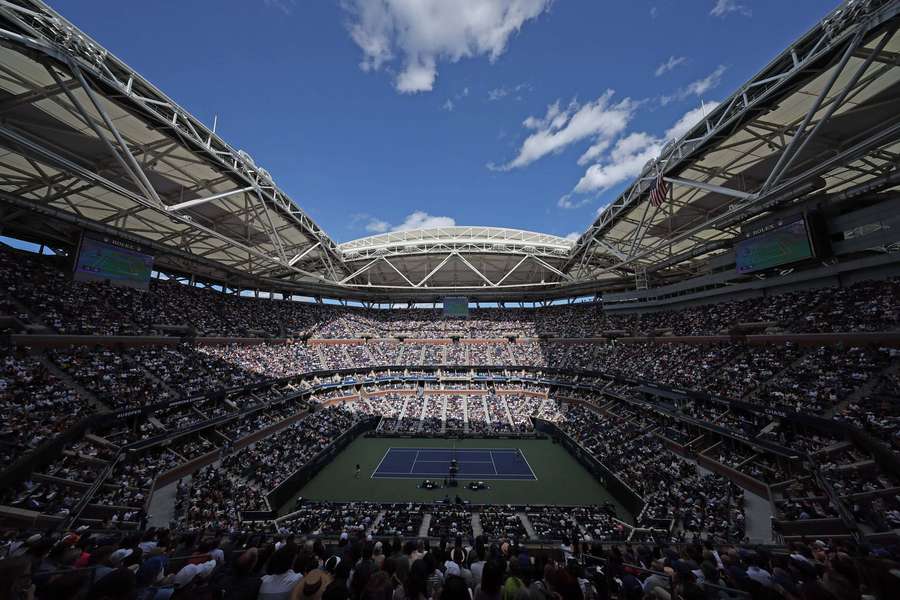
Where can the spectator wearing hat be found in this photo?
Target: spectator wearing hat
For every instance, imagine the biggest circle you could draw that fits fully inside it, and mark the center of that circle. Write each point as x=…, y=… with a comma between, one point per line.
x=190, y=578
x=313, y=585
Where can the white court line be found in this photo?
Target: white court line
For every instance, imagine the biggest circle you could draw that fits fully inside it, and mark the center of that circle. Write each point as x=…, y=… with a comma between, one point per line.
x=425, y=460
x=533, y=474
x=386, y=452
x=465, y=476
x=404, y=449
x=418, y=451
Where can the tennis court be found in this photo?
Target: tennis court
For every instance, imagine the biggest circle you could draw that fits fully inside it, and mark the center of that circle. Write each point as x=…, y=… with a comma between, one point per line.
x=507, y=464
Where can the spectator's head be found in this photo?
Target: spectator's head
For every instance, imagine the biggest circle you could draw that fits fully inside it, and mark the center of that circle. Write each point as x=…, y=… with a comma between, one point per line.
x=415, y=586
x=116, y=585
x=313, y=585
x=283, y=559
x=455, y=589
x=15, y=577
x=492, y=577
x=246, y=562
x=378, y=587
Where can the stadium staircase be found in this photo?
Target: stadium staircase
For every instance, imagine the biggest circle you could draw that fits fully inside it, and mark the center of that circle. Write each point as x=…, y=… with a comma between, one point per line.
x=465, y=405
x=477, y=529
x=443, y=400
x=505, y=405
x=36, y=324
x=526, y=522
x=61, y=374
x=712, y=373
x=426, y=523
x=375, y=522
x=425, y=402
x=321, y=355
x=128, y=358
x=403, y=410
x=510, y=357
x=792, y=365
x=866, y=389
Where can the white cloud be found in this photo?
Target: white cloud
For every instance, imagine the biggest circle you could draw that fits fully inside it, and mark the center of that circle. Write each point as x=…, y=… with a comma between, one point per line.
x=448, y=105
x=594, y=151
x=654, y=12
x=672, y=63
x=625, y=161
x=628, y=156
x=560, y=127
x=285, y=6
x=689, y=119
x=696, y=88
x=502, y=92
x=420, y=33
x=497, y=94
x=422, y=220
x=377, y=226
x=568, y=202
x=723, y=7
x=417, y=77
x=415, y=220
x=701, y=86
x=573, y=237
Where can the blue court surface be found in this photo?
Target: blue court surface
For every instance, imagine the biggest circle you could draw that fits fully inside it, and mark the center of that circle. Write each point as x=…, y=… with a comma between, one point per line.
x=434, y=463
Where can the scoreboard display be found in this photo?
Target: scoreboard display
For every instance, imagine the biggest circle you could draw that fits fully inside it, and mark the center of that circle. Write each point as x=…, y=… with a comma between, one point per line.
x=114, y=261
x=456, y=307
x=781, y=245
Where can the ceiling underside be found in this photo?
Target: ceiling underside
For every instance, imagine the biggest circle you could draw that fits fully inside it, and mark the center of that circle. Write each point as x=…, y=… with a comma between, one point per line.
x=84, y=138
x=457, y=258
x=822, y=117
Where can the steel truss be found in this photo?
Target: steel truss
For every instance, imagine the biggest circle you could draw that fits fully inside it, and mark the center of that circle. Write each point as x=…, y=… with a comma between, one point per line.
x=841, y=34
x=88, y=80
x=163, y=176
x=489, y=255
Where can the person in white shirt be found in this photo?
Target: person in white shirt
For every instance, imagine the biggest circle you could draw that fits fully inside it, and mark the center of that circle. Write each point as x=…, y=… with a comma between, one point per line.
x=758, y=574
x=282, y=580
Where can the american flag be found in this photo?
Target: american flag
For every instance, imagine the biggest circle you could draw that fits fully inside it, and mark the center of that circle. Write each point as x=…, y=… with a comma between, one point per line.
x=659, y=192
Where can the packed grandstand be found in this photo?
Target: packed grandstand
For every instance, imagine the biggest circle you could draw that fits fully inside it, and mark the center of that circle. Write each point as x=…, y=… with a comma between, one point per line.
x=707, y=433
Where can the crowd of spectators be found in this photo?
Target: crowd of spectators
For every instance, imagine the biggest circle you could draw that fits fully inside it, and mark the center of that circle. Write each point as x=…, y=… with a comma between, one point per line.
x=160, y=563
x=682, y=503
x=502, y=522
x=330, y=519
x=35, y=405
x=44, y=285
x=271, y=460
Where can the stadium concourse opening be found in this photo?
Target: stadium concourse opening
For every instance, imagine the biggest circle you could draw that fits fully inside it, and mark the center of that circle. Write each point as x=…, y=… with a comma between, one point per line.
x=473, y=463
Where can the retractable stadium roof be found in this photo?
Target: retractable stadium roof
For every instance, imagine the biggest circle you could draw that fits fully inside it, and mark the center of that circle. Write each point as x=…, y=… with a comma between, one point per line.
x=88, y=144
x=823, y=117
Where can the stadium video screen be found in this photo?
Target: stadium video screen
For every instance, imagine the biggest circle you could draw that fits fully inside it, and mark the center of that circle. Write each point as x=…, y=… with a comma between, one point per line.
x=101, y=261
x=783, y=245
x=456, y=306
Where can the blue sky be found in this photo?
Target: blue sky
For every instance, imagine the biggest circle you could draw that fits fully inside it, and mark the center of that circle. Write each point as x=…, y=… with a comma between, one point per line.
x=379, y=114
